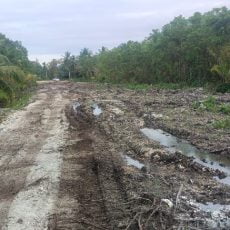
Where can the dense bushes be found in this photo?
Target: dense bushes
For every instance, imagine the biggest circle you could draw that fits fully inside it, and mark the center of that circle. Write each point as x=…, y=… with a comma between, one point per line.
x=13, y=82
x=193, y=51
x=223, y=88
x=15, y=68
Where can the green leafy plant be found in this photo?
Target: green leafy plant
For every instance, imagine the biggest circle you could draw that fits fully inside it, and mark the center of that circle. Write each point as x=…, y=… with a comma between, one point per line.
x=224, y=108
x=211, y=104
x=22, y=101
x=13, y=84
x=222, y=124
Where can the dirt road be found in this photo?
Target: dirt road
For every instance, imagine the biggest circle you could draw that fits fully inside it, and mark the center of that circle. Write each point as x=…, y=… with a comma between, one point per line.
x=30, y=142
x=75, y=158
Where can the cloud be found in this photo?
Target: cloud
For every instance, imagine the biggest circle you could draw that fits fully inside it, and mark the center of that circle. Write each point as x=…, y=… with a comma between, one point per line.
x=137, y=15
x=44, y=57
x=49, y=28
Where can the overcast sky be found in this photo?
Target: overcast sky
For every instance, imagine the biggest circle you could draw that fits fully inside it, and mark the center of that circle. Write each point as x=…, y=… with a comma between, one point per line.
x=48, y=28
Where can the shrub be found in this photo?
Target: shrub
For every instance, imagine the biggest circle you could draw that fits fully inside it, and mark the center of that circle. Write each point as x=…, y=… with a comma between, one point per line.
x=223, y=88
x=210, y=104
x=4, y=99
x=224, y=108
x=13, y=82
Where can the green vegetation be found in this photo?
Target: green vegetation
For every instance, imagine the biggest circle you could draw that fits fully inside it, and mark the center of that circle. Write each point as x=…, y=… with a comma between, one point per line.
x=191, y=51
x=137, y=86
x=22, y=101
x=224, y=108
x=15, y=71
x=222, y=124
x=162, y=85
x=223, y=88
x=210, y=104
x=3, y=98
x=143, y=86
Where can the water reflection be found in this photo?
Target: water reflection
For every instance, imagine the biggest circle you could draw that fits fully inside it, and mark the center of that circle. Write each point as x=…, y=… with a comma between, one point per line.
x=135, y=163
x=172, y=144
x=96, y=110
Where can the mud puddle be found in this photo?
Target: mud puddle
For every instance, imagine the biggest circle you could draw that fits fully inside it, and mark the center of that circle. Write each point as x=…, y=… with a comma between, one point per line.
x=172, y=144
x=218, y=212
x=219, y=215
x=211, y=207
x=96, y=110
x=131, y=162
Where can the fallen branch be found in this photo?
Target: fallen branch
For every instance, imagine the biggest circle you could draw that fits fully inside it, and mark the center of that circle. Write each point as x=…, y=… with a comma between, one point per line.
x=139, y=223
x=178, y=197
x=134, y=218
x=152, y=213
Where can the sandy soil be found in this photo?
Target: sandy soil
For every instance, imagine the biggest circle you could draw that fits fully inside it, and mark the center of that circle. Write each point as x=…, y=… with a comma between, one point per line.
x=62, y=167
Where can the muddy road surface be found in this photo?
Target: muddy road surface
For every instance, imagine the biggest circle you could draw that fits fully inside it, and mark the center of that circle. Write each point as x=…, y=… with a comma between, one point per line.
x=77, y=158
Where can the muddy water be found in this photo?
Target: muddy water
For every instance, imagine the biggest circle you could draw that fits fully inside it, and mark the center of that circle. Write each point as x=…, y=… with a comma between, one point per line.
x=131, y=162
x=96, y=110
x=219, y=218
x=209, y=206
x=172, y=144
x=219, y=213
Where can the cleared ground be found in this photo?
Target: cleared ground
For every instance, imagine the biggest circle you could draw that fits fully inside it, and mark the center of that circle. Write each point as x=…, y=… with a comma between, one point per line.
x=62, y=167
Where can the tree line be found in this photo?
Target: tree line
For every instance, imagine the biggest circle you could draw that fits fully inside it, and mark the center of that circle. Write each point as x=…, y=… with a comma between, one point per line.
x=194, y=51
x=17, y=73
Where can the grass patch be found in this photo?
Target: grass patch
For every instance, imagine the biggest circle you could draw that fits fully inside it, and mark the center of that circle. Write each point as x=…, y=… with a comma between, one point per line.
x=222, y=124
x=211, y=104
x=137, y=86
x=22, y=101
x=17, y=104
x=224, y=108
x=170, y=86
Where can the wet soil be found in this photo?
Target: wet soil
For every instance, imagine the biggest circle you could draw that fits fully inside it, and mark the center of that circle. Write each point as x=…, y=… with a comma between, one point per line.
x=102, y=171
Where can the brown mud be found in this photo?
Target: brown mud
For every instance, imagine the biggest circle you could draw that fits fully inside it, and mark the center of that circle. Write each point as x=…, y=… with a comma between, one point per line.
x=96, y=187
